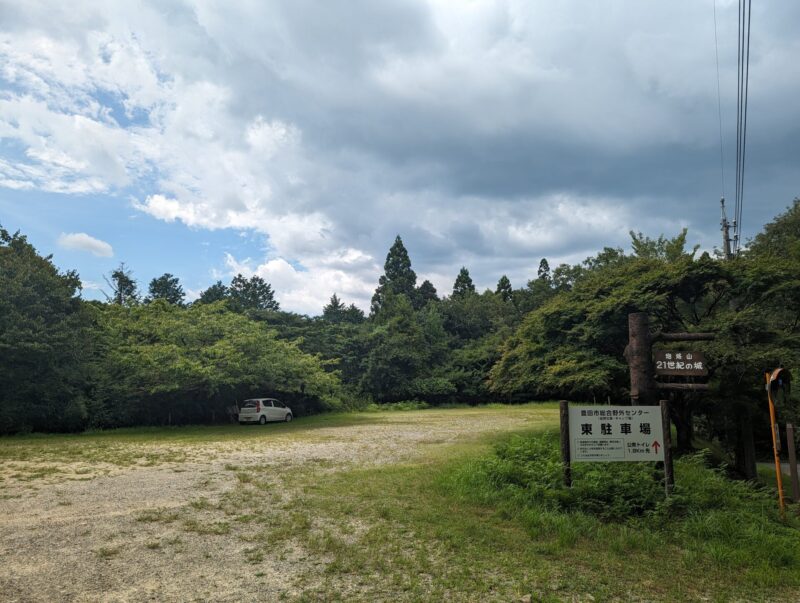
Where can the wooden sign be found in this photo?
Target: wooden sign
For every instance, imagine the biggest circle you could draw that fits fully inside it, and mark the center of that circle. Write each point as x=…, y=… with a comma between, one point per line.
x=681, y=363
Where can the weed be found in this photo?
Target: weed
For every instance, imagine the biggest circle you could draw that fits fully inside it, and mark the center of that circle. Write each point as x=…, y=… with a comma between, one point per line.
x=108, y=552
x=158, y=515
x=206, y=527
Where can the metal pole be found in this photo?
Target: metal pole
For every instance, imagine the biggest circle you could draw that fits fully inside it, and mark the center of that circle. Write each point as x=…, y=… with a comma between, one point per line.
x=792, y=462
x=774, y=428
x=563, y=411
x=669, y=474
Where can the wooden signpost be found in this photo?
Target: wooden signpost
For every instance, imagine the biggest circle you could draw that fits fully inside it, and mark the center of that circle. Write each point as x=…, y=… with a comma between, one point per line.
x=640, y=432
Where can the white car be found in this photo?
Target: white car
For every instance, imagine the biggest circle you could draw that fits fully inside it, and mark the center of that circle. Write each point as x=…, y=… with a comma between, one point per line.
x=261, y=410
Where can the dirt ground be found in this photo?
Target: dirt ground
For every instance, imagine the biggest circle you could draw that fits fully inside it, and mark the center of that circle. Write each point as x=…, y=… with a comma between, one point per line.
x=76, y=533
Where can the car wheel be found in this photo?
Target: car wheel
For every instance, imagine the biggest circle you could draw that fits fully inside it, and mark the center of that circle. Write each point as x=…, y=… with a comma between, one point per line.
x=288, y=417
x=263, y=420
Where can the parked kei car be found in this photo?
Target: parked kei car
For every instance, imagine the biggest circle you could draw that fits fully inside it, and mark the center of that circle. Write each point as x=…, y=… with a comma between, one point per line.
x=261, y=410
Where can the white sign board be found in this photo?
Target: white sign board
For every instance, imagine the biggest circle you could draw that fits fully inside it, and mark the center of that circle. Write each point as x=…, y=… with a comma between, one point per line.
x=615, y=433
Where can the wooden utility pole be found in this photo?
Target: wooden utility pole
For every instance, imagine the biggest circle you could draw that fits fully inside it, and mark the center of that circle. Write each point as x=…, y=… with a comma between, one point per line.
x=669, y=474
x=792, y=462
x=563, y=411
x=637, y=353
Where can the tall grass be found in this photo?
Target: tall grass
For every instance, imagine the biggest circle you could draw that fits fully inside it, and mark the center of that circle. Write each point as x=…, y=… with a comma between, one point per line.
x=711, y=518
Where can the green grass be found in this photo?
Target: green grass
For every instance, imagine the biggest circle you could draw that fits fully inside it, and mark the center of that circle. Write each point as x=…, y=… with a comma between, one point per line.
x=472, y=522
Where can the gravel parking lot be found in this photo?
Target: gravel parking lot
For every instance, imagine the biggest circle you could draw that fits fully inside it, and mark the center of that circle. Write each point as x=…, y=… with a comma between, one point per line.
x=86, y=527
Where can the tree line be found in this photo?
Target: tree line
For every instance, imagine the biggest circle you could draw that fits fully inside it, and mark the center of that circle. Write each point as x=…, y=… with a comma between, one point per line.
x=151, y=358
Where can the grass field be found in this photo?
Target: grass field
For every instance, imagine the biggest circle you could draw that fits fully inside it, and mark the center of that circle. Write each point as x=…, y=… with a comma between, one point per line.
x=418, y=506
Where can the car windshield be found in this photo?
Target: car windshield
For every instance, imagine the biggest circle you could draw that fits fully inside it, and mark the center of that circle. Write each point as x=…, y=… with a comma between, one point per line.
x=250, y=404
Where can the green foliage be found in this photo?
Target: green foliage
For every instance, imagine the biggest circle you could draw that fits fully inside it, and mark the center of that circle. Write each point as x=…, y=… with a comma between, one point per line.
x=124, y=290
x=780, y=238
x=529, y=468
x=398, y=277
x=426, y=293
x=251, y=294
x=216, y=292
x=544, y=270
x=463, y=285
x=504, y=289
x=336, y=312
x=572, y=344
x=45, y=341
x=161, y=361
x=670, y=250
x=168, y=288
x=525, y=471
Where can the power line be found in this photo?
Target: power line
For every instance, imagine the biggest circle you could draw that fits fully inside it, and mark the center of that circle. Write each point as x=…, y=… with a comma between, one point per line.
x=719, y=108
x=742, y=89
x=744, y=126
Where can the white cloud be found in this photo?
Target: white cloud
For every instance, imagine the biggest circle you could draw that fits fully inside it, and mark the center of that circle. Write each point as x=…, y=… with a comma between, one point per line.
x=307, y=289
x=487, y=133
x=80, y=241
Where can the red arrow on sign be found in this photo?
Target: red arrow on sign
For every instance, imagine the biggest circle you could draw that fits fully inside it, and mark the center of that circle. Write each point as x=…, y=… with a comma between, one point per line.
x=656, y=445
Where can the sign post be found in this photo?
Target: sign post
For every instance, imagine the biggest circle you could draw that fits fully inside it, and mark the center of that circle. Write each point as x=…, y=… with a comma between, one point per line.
x=563, y=409
x=777, y=379
x=615, y=433
x=792, y=462
x=669, y=474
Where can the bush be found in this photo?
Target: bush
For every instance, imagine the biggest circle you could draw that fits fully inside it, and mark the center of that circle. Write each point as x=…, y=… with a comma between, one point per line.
x=402, y=405
x=527, y=471
x=529, y=468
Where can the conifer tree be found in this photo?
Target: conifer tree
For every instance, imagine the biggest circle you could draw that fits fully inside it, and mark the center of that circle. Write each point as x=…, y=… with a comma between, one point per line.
x=463, y=285
x=544, y=270
x=398, y=277
x=334, y=310
x=166, y=287
x=504, y=289
x=426, y=292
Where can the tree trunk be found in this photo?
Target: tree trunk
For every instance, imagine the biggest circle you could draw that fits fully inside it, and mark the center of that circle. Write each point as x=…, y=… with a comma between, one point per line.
x=682, y=417
x=745, y=450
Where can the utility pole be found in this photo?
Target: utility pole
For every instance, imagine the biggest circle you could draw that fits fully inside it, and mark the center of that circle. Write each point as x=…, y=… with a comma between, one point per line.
x=726, y=237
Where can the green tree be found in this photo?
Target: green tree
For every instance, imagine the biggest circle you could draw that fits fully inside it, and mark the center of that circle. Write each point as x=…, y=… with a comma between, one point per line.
x=426, y=293
x=544, y=270
x=781, y=237
x=163, y=363
x=168, y=288
x=353, y=314
x=504, y=289
x=45, y=342
x=216, y=292
x=124, y=290
x=251, y=294
x=398, y=277
x=334, y=311
x=397, y=353
x=463, y=285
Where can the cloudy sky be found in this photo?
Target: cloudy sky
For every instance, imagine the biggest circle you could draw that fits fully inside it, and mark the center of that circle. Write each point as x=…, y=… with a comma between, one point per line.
x=296, y=139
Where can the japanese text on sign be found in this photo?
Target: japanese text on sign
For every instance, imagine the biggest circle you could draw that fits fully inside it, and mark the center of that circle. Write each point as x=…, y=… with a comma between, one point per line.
x=680, y=363
x=615, y=433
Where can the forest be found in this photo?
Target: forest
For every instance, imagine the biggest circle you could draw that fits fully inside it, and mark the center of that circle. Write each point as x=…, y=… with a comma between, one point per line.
x=146, y=357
